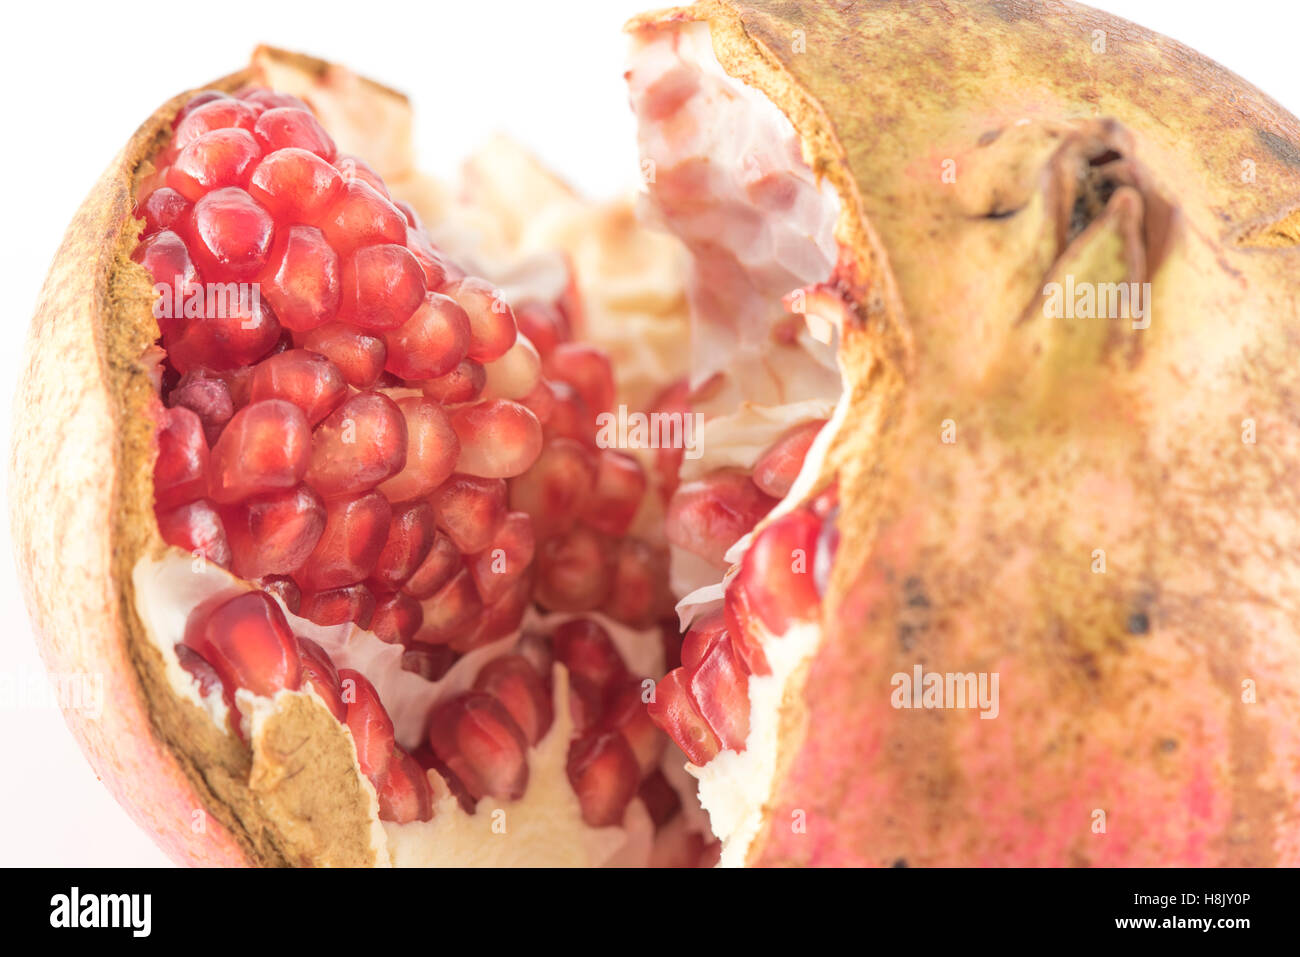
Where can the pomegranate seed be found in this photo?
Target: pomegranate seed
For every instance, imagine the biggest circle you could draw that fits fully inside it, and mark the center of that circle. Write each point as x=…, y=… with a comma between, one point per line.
x=498, y=438
x=677, y=846
x=574, y=571
x=264, y=99
x=302, y=279
x=335, y=606
x=720, y=688
x=430, y=662
x=202, y=672
x=214, y=115
x=295, y=185
x=777, y=468
x=168, y=261
x=360, y=216
x=265, y=448
x=225, y=339
x=197, y=529
x=541, y=401
x=410, y=538
x=216, y=159
x=430, y=260
x=499, y=619
x=588, y=370
x=163, y=209
x=199, y=99
x=355, y=531
x=470, y=510
x=603, y=772
x=660, y=798
x=516, y=374
x=207, y=397
x=285, y=589
x=432, y=342
x=481, y=745
x=514, y=682
x=249, y=644
x=451, y=611
x=585, y=648
x=570, y=418
x=371, y=727
x=620, y=484
x=498, y=566
x=627, y=715
x=432, y=449
x=704, y=631
x=286, y=126
x=382, y=286
x=273, y=534
x=397, y=618
x=639, y=593
x=357, y=446
x=674, y=710
x=180, y=471
x=462, y=384
x=359, y=357
x=542, y=323
x=436, y=570
x=232, y=234
x=709, y=515
x=404, y=794
x=358, y=170
x=307, y=379
x=318, y=674
x=491, y=320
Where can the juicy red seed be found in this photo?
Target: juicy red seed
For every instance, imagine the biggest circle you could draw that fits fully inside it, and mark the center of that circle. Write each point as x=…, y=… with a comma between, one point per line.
x=574, y=570
x=335, y=606
x=709, y=515
x=404, y=794
x=478, y=741
x=570, y=418
x=197, y=529
x=588, y=370
x=265, y=448
x=286, y=126
x=507, y=556
x=207, y=397
x=397, y=618
x=720, y=687
x=674, y=710
x=199, y=99
x=180, y=472
x=226, y=340
x=432, y=342
x=265, y=99
x=166, y=257
x=410, y=539
x=462, y=384
x=249, y=644
x=295, y=185
x=543, y=324
x=164, y=208
x=515, y=683
x=273, y=534
x=360, y=216
x=498, y=438
x=432, y=449
x=216, y=159
x=430, y=662
x=215, y=115
x=516, y=375
x=357, y=446
x=355, y=531
x=301, y=280
x=286, y=590
x=585, y=648
x=371, y=727
x=451, y=611
x=660, y=798
x=604, y=775
x=777, y=468
x=359, y=357
x=308, y=380
x=430, y=260
x=501, y=618
x=382, y=286
x=358, y=170
x=491, y=320
x=232, y=234
x=639, y=594
x=437, y=568
x=620, y=485
x=207, y=677
x=470, y=510
x=704, y=631
x=627, y=715
x=319, y=674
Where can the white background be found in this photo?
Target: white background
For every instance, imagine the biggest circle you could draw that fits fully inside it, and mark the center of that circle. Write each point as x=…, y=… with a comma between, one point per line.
x=78, y=78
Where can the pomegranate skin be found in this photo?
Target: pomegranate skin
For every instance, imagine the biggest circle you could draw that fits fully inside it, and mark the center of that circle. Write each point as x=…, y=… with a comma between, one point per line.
x=1162, y=692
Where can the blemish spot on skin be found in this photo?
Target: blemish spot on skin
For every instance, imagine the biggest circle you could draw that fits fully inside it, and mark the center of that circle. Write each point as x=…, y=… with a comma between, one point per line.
x=1168, y=744
x=1139, y=623
x=900, y=862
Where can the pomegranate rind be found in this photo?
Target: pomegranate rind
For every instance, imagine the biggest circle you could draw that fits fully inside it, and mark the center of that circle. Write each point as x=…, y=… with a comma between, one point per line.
x=1122, y=692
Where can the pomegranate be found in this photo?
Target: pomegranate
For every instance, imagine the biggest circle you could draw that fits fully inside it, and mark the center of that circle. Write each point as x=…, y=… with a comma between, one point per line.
x=397, y=520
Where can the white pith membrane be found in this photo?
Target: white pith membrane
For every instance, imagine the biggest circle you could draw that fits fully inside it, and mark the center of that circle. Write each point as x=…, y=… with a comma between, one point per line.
x=720, y=158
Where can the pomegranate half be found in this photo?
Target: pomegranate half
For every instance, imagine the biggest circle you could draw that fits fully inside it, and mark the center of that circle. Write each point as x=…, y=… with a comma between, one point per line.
x=971, y=569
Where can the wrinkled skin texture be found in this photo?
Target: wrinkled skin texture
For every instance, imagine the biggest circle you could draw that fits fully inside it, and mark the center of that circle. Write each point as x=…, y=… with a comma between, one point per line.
x=1123, y=691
